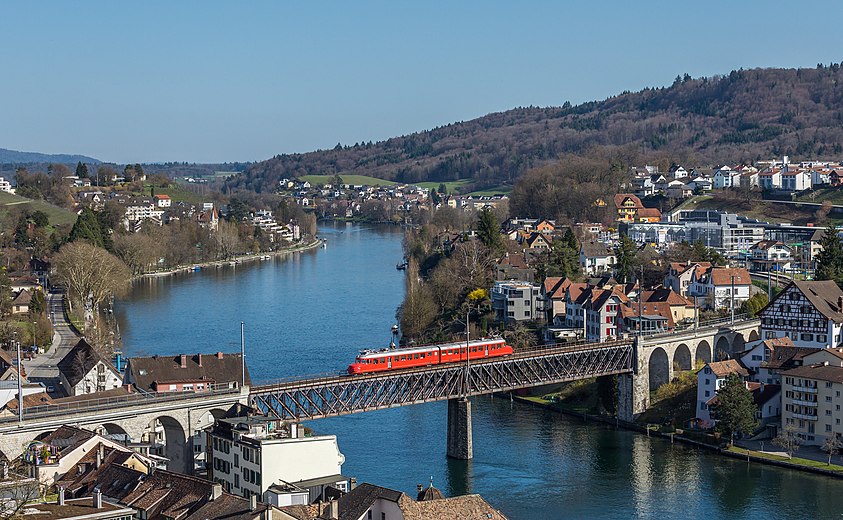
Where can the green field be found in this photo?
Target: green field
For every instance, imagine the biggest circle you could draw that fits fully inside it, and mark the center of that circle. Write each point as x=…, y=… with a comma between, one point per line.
x=57, y=215
x=451, y=186
x=179, y=193
x=354, y=180
x=500, y=190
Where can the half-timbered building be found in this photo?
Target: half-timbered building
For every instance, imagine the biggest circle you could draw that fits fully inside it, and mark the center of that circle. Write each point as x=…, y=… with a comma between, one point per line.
x=809, y=313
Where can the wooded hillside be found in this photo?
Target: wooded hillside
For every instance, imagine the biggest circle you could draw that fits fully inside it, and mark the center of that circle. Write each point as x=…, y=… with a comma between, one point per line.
x=743, y=116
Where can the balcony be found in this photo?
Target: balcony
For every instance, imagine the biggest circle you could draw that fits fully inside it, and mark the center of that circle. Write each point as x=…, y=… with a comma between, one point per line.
x=804, y=403
x=805, y=389
x=806, y=417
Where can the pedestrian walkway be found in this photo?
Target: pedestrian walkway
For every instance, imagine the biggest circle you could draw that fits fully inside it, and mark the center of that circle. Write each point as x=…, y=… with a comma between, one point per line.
x=804, y=452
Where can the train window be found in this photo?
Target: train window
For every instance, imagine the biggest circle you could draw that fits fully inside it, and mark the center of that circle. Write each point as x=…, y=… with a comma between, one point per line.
x=415, y=356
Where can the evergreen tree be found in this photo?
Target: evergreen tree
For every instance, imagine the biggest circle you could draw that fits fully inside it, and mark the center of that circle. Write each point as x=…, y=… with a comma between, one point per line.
x=735, y=409
x=87, y=227
x=489, y=230
x=830, y=259
x=625, y=253
x=563, y=259
x=81, y=170
x=443, y=189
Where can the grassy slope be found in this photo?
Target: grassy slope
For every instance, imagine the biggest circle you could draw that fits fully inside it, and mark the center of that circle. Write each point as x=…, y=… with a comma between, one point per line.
x=833, y=195
x=179, y=194
x=57, y=215
x=362, y=180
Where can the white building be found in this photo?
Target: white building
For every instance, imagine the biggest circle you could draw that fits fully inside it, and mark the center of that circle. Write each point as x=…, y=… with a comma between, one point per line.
x=6, y=186
x=797, y=180
x=721, y=287
x=812, y=396
x=810, y=313
x=163, y=201
x=248, y=455
x=83, y=371
x=709, y=380
x=515, y=301
x=595, y=258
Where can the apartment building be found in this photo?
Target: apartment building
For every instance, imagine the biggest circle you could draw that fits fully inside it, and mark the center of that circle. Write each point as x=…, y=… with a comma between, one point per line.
x=514, y=301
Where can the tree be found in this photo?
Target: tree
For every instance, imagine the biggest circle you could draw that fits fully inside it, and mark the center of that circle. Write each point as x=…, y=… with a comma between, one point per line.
x=38, y=304
x=81, y=170
x=788, y=440
x=90, y=274
x=563, y=259
x=238, y=210
x=227, y=239
x=442, y=188
x=418, y=310
x=625, y=253
x=87, y=227
x=19, y=491
x=754, y=304
x=735, y=409
x=830, y=259
x=489, y=230
x=831, y=445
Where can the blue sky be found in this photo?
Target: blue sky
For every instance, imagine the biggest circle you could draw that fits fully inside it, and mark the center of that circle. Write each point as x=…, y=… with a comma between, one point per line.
x=237, y=81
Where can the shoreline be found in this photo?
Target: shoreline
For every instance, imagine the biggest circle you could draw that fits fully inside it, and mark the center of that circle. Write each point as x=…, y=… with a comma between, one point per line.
x=674, y=437
x=316, y=242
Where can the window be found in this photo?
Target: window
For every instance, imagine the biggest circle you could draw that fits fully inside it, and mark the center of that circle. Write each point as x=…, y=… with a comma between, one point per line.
x=369, y=515
x=828, y=412
x=828, y=427
x=807, y=337
x=828, y=384
x=707, y=393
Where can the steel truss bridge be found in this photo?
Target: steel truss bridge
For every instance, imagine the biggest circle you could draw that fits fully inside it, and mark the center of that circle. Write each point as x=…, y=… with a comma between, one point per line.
x=341, y=395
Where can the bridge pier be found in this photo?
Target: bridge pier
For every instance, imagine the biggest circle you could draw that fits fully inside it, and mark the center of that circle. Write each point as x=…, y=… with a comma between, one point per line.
x=633, y=396
x=460, y=445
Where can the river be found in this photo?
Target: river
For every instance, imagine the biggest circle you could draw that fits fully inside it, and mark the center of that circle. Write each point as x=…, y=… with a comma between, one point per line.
x=308, y=313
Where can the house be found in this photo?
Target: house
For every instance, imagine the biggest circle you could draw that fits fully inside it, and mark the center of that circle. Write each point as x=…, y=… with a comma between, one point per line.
x=766, y=359
x=810, y=313
x=539, y=241
x=40, y=270
x=725, y=177
x=6, y=186
x=680, y=308
x=646, y=318
x=811, y=402
x=249, y=454
x=367, y=501
x=183, y=373
x=645, y=215
x=163, y=201
x=679, y=275
x=679, y=191
x=514, y=301
x=602, y=310
x=770, y=179
x=595, y=258
x=68, y=447
x=678, y=172
x=795, y=180
x=815, y=244
x=721, y=287
x=83, y=371
x=643, y=186
x=770, y=255
x=20, y=305
x=514, y=267
x=576, y=295
x=627, y=206
x=210, y=218
x=553, y=293
x=709, y=380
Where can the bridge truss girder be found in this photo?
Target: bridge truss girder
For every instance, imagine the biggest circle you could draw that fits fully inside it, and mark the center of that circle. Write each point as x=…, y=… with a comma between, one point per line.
x=330, y=397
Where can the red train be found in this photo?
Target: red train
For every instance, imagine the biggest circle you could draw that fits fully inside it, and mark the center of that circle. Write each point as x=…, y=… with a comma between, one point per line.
x=395, y=359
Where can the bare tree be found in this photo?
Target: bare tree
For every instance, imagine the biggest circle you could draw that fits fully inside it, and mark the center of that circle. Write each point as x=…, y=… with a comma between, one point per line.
x=227, y=239
x=90, y=274
x=831, y=445
x=18, y=491
x=139, y=251
x=787, y=440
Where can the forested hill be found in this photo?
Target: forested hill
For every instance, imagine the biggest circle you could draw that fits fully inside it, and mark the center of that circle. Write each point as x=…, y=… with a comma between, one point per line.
x=742, y=116
x=16, y=157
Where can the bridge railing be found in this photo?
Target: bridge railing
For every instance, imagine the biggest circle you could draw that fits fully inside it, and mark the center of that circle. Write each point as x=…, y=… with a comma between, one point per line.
x=110, y=403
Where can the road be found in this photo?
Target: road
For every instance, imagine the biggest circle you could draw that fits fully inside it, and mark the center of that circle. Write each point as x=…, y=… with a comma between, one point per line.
x=42, y=368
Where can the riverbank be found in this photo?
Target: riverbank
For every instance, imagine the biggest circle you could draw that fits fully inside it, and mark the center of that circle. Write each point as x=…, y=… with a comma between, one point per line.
x=735, y=452
x=256, y=257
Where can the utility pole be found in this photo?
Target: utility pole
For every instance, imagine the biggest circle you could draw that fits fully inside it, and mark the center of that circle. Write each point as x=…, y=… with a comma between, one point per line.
x=696, y=314
x=20, y=386
x=640, y=294
x=242, y=355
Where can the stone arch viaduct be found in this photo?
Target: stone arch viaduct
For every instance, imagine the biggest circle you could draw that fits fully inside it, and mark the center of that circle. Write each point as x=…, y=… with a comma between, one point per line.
x=659, y=357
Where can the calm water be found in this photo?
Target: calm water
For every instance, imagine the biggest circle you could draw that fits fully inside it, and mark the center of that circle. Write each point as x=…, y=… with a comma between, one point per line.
x=310, y=312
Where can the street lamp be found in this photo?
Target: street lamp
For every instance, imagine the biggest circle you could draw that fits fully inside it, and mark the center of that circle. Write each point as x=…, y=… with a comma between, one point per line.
x=20, y=383
x=733, y=299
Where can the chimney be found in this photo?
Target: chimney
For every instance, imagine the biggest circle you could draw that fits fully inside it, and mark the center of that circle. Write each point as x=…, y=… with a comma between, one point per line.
x=352, y=483
x=4, y=470
x=219, y=355
x=840, y=303
x=183, y=361
x=97, y=499
x=199, y=359
x=61, y=496
x=253, y=503
x=216, y=491
x=333, y=510
x=100, y=454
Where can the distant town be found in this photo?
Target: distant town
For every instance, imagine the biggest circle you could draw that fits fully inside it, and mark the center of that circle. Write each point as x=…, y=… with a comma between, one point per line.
x=661, y=263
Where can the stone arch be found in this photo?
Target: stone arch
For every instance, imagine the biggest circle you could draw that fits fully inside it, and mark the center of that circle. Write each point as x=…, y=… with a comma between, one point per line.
x=738, y=343
x=722, y=349
x=43, y=435
x=114, y=432
x=703, y=352
x=753, y=336
x=171, y=433
x=658, y=367
x=682, y=358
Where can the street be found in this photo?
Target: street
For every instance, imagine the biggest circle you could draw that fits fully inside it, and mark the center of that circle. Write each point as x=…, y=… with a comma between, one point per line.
x=42, y=368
